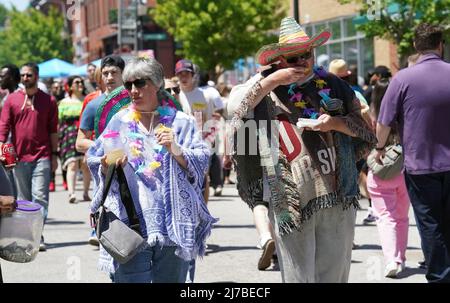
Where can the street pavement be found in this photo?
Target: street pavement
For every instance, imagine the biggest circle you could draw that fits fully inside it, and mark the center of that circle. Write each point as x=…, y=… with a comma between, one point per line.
x=232, y=252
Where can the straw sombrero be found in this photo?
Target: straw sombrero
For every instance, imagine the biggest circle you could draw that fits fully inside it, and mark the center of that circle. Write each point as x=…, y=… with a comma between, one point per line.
x=293, y=40
x=339, y=68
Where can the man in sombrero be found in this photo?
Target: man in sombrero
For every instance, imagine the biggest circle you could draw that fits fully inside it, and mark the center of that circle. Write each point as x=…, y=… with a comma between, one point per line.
x=304, y=168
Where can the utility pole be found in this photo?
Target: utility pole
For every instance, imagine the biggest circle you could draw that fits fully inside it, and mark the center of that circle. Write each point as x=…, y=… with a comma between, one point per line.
x=296, y=12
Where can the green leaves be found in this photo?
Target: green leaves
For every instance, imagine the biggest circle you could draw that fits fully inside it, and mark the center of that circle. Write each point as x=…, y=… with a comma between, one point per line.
x=399, y=18
x=33, y=36
x=3, y=15
x=214, y=34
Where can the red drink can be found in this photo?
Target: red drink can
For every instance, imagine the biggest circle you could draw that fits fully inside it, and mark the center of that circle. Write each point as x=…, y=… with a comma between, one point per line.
x=9, y=153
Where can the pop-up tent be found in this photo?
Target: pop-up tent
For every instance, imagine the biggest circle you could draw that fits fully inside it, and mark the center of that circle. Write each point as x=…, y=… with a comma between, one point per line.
x=55, y=68
x=82, y=70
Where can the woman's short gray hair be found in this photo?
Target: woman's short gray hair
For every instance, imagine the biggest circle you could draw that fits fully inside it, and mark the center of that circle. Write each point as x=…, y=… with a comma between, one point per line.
x=144, y=68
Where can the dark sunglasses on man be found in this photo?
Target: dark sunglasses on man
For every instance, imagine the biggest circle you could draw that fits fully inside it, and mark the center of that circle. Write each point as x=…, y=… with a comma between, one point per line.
x=138, y=83
x=173, y=90
x=297, y=58
x=28, y=75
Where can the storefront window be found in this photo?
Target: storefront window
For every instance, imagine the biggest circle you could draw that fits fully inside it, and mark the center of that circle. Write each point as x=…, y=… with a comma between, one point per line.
x=335, y=51
x=349, y=27
x=345, y=43
x=322, y=57
x=319, y=28
x=308, y=30
x=351, y=52
x=368, y=55
x=335, y=28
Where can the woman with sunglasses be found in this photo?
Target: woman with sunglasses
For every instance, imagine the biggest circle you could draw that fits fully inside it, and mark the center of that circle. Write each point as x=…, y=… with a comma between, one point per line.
x=164, y=164
x=69, y=110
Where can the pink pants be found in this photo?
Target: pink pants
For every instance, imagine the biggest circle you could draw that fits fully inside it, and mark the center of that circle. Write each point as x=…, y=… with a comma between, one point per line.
x=390, y=203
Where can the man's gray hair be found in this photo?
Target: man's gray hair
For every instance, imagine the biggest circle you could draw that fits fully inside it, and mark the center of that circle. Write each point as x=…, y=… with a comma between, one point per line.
x=144, y=68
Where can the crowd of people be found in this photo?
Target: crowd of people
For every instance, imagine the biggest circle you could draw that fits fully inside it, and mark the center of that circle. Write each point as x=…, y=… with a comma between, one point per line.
x=303, y=190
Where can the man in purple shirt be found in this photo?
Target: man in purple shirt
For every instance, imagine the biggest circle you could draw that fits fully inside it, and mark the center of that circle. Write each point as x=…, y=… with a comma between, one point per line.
x=418, y=100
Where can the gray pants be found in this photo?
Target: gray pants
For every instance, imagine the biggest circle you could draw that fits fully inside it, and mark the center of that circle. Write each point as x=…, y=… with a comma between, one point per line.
x=322, y=251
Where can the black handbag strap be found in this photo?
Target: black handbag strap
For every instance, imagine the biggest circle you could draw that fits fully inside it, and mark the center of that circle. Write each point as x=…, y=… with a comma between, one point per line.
x=108, y=181
x=127, y=199
x=125, y=194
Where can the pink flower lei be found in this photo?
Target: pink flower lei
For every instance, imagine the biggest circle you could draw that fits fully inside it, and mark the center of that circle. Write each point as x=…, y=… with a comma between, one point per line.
x=142, y=166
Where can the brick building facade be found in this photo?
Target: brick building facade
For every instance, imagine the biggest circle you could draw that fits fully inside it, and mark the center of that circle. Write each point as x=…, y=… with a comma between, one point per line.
x=94, y=31
x=95, y=34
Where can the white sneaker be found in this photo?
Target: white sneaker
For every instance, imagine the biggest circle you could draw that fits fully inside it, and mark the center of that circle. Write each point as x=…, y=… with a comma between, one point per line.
x=218, y=191
x=370, y=218
x=93, y=240
x=393, y=269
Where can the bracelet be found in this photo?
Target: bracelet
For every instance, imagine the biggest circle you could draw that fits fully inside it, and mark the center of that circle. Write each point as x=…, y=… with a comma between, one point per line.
x=380, y=148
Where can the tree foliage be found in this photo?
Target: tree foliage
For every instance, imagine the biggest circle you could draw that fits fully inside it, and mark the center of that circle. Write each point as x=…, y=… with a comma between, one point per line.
x=397, y=19
x=214, y=34
x=33, y=36
x=3, y=15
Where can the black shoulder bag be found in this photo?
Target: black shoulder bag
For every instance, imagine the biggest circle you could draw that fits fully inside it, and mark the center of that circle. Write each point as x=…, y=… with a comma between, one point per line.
x=121, y=241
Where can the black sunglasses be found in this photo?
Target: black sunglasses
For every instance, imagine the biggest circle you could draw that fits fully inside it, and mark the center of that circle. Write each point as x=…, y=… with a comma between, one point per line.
x=138, y=83
x=28, y=75
x=173, y=90
x=295, y=59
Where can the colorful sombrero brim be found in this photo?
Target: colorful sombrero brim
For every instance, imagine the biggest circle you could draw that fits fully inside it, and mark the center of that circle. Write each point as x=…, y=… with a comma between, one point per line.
x=268, y=53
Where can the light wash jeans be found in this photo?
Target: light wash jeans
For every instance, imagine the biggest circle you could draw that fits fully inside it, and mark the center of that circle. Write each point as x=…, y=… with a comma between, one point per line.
x=153, y=265
x=322, y=251
x=32, y=180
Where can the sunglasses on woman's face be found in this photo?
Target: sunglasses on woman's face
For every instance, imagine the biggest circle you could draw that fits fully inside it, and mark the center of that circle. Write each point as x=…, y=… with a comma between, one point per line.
x=138, y=83
x=173, y=90
x=296, y=59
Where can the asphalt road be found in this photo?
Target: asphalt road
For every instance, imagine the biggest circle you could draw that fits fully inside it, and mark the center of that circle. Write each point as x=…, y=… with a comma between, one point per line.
x=232, y=253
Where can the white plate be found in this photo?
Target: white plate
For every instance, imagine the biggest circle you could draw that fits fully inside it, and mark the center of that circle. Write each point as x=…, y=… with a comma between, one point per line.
x=302, y=122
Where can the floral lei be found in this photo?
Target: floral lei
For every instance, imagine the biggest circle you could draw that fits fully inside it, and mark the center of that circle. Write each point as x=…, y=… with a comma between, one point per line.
x=297, y=97
x=146, y=168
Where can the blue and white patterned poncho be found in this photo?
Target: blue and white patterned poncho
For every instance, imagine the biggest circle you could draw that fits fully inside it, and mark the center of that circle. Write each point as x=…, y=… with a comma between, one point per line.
x=173, y=212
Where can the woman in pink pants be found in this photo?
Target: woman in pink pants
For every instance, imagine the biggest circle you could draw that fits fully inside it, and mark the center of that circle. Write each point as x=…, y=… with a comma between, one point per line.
x=390, y=202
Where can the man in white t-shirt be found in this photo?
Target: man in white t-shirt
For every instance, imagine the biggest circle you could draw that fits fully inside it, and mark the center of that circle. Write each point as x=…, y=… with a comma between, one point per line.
x=210, y=91
x=216, y=139
x=206, y=106
x=193, y=101
x=200, y=106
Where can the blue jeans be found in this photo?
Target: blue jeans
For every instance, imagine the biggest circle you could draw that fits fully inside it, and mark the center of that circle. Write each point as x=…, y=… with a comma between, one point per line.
x=32, y=180
x=153, y=265
x=430, y=199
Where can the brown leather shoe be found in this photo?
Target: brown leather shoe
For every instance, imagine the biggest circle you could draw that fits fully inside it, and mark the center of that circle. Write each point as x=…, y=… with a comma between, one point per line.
x=266, y=257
